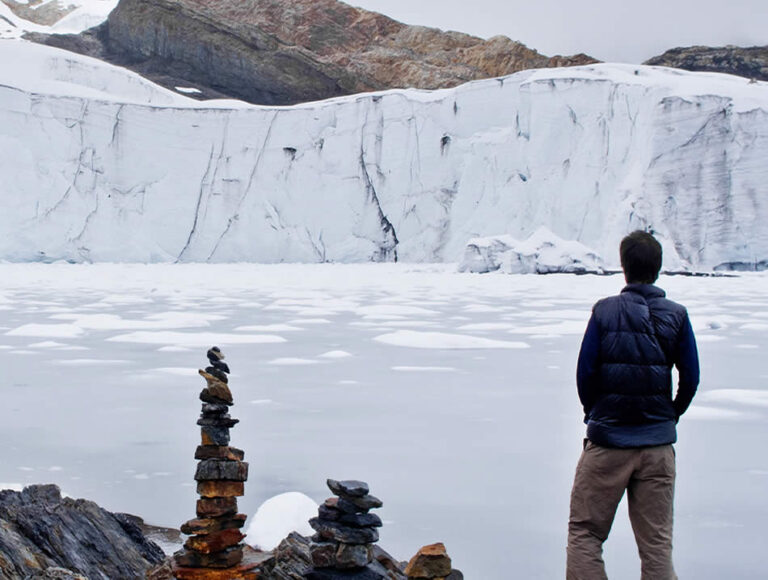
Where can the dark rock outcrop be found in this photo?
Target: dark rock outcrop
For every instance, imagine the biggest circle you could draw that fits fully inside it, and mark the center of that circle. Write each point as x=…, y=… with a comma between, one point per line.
x=43, y=535
x=751, y=62
x=280, y=52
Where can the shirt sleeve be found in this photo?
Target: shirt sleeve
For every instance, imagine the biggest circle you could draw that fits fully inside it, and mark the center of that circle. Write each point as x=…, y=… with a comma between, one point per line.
x=687, y=367
x=586, y=370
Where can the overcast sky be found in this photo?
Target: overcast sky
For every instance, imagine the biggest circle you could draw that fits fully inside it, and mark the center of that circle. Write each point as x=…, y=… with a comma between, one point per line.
x=609, y=30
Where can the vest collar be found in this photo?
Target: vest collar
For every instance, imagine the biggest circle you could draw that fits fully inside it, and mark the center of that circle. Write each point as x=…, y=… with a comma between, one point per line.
x=645, y=290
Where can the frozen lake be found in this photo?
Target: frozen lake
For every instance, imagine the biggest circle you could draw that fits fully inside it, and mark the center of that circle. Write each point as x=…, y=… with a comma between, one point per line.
x=453, y=395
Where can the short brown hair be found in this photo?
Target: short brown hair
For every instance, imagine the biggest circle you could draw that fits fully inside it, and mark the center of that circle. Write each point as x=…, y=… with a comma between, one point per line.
x=640, y=257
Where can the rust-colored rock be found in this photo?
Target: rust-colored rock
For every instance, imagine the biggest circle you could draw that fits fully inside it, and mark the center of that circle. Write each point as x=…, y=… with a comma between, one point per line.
x=220, y=488
x=214, y=542
x=248, y=569
x=227, y=559
x=280, y=52
x=429, y=562
x=216, y=507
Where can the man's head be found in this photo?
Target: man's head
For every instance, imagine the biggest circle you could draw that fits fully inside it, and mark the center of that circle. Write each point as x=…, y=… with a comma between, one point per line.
x=640, y=258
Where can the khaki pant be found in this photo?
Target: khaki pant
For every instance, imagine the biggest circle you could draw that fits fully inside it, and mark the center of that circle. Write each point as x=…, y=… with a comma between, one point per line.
x=602, y=475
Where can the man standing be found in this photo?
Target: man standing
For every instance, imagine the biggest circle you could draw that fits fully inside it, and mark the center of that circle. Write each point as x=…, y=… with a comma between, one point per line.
x=624, y=380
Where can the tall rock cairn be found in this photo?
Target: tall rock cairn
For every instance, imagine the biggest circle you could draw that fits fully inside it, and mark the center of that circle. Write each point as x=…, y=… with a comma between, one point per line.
x=346, y=532
x=215, y=536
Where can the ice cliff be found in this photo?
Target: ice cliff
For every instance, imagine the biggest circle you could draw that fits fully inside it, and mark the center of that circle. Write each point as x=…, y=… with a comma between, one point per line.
x=98, y=164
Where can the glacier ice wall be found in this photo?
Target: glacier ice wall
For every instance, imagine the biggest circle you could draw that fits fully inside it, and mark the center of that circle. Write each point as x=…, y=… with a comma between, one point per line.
x=120, y=171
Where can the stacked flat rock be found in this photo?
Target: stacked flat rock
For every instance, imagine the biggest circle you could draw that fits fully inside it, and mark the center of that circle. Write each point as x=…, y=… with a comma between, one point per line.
x=345, y=530
x=214, y=548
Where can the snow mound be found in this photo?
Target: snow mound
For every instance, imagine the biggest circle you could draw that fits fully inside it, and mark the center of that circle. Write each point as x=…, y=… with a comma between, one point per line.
x=279, y=516
x=542, y=253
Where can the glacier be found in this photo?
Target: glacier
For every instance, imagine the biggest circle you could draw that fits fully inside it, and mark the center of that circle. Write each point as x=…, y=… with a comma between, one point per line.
x=98, y=164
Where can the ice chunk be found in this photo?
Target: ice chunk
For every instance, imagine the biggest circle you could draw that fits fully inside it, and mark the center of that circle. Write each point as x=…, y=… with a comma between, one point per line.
x=542, y=253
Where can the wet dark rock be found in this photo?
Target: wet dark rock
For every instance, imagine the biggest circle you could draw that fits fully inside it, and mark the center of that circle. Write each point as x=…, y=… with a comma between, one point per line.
x=348, y=488
x=39, y=530
x=345, y=534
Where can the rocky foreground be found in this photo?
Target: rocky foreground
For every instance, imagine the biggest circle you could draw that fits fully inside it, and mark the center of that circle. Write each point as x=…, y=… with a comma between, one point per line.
x=45, y=535
x=280, y=52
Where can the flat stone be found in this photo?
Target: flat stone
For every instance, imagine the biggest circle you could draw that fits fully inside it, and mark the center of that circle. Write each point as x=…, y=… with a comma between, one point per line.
x=218, y=421
x=229, y=558
x=343, y=505
x=361, y=520
x=208, y=489
x=348, y=487
x=324, y=554
x=216, y=507
x=214, y=542
x=213, y=409
x=221, y=470
x=366, y=503
x=219, y=452
x=203, y=526
x=356, y=520
x=353, y=505
x=214, y=435
x=340, y=533
x=353, y=555
x=431, y=561
x=249, y=568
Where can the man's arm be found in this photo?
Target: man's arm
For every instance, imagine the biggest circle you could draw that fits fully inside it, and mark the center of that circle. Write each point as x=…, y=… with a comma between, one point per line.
x=586, y=369
x=687, y=364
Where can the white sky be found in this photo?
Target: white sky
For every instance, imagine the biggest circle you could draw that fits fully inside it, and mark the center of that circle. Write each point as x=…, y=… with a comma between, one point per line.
x=610, y=30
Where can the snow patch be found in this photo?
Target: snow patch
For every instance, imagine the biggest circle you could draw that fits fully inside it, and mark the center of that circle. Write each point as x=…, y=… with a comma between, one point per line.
x=279, y=516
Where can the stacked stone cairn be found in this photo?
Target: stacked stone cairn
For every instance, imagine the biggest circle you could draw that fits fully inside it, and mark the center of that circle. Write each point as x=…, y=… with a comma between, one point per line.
x=345, y=530
x=214, y=549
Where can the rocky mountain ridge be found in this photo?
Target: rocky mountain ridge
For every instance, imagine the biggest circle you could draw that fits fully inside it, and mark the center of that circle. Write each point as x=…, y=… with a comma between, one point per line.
x=280, y=52
x=750, y=62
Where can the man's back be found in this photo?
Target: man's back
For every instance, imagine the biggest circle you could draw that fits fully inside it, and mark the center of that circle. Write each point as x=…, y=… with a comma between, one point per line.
x=624, y=371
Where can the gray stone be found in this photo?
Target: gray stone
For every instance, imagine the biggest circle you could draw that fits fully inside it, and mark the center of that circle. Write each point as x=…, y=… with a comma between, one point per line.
x=348, y=487
x=324, y=554
x=353, y=555
x=340, y=533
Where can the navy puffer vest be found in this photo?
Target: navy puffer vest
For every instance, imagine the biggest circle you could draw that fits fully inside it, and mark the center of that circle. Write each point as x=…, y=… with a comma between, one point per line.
x=639, y=330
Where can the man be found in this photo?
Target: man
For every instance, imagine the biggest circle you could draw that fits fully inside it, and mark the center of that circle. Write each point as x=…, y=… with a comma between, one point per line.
x=624, y=380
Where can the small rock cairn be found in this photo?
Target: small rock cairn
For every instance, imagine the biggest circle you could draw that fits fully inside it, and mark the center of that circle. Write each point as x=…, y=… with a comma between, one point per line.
x=214, y=549
x=432, y=563
x=345, y=530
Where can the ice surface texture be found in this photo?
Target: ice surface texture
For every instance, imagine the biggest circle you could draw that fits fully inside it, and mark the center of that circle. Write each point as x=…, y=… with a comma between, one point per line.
x=99, y=165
